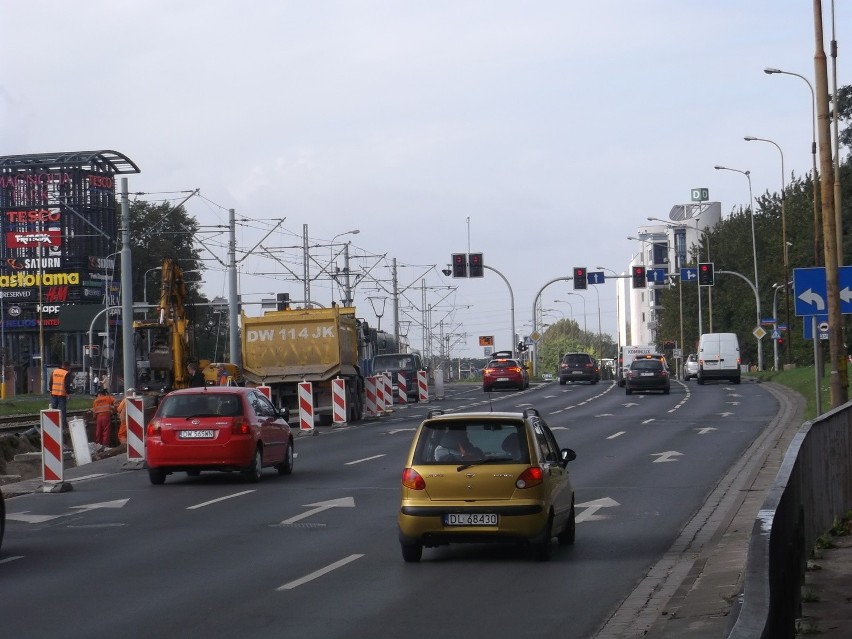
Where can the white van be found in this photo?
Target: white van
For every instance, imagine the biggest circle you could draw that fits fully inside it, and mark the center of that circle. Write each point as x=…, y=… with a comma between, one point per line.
x=719, y=357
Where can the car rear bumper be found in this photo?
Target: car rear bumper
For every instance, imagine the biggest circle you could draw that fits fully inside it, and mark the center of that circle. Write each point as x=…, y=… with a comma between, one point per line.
x=425, y=524
x=232, y=454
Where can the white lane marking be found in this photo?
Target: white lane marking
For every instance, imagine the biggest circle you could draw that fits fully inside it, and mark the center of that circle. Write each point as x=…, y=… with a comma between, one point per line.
x=618, y=434
x=85, y=477
x=591, y=507
x=31, y=519
x=705, y=430
x=358, y=461
x=11, y=559
x=320, y=506
x=214, y=501
x=666, y=456
x=318, y=573
x=648, y=421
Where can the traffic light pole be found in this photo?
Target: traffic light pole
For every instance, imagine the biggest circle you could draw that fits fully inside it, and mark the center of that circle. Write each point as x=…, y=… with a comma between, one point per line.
x=757, y=308
x=512, y=300
x=534, y=323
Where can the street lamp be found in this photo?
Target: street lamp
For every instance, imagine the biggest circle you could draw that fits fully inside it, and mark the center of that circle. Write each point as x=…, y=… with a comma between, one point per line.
x=754, y=256
x=584, y=309
x=144, y=283
x=771, y=71
x=750, y=138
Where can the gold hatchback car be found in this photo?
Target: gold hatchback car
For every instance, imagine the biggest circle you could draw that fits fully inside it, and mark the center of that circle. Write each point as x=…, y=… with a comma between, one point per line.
x=482, y=477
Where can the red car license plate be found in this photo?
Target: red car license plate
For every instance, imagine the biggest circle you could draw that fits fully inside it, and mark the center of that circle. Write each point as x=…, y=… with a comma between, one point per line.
x=196, y=434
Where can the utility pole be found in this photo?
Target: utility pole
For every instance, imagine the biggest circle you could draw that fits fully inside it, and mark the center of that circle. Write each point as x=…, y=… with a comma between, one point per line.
x=233, y=300
x=347, y=286
x=395, y=285
x=838, y=379
x=129, y=352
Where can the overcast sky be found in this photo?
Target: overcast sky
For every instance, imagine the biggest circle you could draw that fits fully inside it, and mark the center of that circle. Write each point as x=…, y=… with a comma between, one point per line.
x=555, y=127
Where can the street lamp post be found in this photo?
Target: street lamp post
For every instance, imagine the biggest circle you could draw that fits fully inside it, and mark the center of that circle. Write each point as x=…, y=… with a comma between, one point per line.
x=776, y=288
x=747, y=174
x=145, y=285
x=750, y=138
x=770, y=71
x=346, y=263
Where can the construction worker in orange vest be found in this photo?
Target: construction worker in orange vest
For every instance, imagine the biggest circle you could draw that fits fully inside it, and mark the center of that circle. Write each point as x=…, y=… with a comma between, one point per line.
x=60, y=388
x=103, y=408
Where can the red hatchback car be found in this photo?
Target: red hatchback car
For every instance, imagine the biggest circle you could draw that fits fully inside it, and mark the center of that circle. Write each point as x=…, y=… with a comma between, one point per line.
x=504, y=373
x=217, y=428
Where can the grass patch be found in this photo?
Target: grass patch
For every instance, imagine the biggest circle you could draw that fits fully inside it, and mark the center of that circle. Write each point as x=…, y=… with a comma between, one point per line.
x=32, y=404
x=802, y=380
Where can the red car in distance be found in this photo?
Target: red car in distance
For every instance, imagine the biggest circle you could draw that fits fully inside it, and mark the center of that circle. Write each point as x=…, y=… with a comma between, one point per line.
x=221, y=428
x=505, y=373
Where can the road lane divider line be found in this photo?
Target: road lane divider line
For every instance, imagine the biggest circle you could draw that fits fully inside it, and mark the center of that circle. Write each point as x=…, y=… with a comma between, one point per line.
x=11, y=559
x=319, y=573
x=648, y=421
x=618, y=434
x=214, y=501
x=358, y=461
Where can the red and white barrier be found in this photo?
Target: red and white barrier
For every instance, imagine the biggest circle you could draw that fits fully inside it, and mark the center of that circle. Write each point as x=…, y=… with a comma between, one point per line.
x=266, y=390
x=371, y=396
x=306, y=407
x=135, y=430
x=386, y=378
x=52, y=463
x=381, y=400
x=402, y=388
x=422, y=386
x=338, y=401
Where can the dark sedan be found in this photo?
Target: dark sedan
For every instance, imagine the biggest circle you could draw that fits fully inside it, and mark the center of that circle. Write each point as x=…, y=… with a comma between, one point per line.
x=646, y=374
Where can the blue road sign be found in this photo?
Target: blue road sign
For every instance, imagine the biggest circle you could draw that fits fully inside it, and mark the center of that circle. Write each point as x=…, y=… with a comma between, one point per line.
x=811, y=290
x=656, y=275
x=689, y=274
x=595, y=277
x=776, y=334
x=768, y=320
x=822, y=327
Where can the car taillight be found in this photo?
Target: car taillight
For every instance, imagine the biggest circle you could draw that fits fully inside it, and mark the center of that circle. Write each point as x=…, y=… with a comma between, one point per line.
x=532, y=476
x=153, y=428
x=240, y=426
x=412, y=479
x=664, y=373
x=514, y=369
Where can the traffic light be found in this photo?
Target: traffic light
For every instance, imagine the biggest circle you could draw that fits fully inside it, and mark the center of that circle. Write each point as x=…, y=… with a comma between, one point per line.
x=459, y=265
x=580, y=278
x=476, y=266
x=638, y=277
x=282, y=301
x=706, y=277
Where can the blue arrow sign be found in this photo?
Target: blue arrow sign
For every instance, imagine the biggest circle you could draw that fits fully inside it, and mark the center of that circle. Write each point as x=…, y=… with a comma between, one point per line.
x=688, y=274
x=595, y=277
x=656, y=275
x=811, y=290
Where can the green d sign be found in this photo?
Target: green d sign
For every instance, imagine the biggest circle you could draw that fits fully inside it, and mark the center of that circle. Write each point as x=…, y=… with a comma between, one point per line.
x=700, y=195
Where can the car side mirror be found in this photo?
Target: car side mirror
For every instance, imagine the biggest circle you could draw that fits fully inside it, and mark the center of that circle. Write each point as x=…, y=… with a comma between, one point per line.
x=284, y=413
x=568, y=455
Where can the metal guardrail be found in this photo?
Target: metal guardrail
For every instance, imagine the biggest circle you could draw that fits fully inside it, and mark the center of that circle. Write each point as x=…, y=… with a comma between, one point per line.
x=812, y=489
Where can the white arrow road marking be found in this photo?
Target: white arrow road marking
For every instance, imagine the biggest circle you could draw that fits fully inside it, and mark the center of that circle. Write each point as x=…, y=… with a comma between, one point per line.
x=118, y=503
x=31, y=519
x=358, y=461
x=725, y=414
x=592, y=507
x=809, y=297
x=618, y=434
x=345, y=502
x=39, y=519
x=629, y=404
x=704, y=431
x=666, y=456
x=214, y=501
x=648, y=421
x=318, y=573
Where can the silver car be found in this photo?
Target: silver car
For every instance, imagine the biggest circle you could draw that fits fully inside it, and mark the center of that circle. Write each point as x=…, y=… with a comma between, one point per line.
x=690, y=368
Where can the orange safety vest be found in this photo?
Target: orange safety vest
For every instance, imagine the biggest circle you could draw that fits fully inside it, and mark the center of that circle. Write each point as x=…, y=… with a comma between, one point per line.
x=57, y=382
x=103, y=404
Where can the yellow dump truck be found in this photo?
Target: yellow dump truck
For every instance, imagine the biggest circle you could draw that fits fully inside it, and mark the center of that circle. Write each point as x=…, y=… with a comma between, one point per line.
x=282, y=348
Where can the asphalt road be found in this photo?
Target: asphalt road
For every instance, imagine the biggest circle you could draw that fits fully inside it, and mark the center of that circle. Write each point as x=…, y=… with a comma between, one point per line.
x=315, y=554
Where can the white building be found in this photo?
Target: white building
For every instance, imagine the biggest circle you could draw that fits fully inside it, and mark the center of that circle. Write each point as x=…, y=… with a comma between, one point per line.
x=663, y=246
